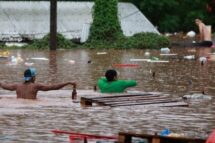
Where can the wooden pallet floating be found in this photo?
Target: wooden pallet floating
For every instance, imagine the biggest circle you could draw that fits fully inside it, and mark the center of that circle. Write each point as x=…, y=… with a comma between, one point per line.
x=132, y=99
x=127, y=138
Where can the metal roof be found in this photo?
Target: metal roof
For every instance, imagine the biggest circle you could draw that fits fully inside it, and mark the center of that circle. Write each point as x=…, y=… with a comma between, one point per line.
x=31, y=19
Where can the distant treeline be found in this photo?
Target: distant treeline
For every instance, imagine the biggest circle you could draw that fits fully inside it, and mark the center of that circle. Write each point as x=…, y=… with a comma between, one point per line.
x=177, y=15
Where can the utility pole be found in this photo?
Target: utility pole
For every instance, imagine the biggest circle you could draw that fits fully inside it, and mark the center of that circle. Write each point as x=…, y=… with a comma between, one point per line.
x=53, y=25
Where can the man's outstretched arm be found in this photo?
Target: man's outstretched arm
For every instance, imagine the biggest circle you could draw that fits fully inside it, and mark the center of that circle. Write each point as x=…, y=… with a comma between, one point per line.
x=43, y=87
x=6, y=86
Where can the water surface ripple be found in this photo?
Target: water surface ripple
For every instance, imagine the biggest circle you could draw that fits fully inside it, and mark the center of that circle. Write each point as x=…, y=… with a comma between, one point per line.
x=32, y=121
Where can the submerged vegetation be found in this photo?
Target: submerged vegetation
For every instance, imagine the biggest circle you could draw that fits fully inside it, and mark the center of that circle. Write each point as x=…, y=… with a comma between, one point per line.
x=140, y=41
x=43, y=43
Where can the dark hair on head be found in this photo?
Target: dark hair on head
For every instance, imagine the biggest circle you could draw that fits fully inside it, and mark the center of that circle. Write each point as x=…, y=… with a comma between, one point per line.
x=198, y=20
x=110, y=74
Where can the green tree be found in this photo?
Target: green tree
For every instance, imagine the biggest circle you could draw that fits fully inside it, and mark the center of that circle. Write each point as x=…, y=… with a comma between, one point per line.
x=106, y=24
x=176, y=15
x=161, y=13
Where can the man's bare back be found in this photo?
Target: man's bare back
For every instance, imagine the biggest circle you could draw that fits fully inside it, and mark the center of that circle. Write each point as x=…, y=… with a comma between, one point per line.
x=28, y=89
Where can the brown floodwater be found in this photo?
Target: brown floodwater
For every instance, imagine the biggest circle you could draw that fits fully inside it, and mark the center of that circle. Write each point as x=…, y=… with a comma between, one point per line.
x=32, y=121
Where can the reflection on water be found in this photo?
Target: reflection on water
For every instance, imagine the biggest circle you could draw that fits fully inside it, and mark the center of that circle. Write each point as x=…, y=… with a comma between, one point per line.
x=32, y=121
x=53, y=66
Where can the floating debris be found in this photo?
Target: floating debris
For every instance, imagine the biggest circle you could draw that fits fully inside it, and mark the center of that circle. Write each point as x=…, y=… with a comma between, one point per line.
x=17, y=44
x=168, y=34
x=4, y=54
x=202, y=60
x=19, y=58
x=165, y=50
x=176, y=135
x=125, y=65
x=189, y=57
x=139, y=60
x=28, y=64
x=173, y=54
x=95, y=88
x=40, y=58
x=165, y=132
x=101, y=53
x=197, y=96
x=71, y=61
x=193, y=41
x=191, y=34
x=153, y=60
x=147, y=54
x=157, y=61
x=15, y=60
x=153, y=74
x=190, y=82
x=212, y=53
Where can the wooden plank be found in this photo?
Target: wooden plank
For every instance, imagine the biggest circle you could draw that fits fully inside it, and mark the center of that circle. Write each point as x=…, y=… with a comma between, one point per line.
x=129, y=101
x=132, y=99
x=160, y=104
x=142, y=102
x=146, y=99
x=138, y=101
x=120, y=95
x=155, y=104
x=126, y=97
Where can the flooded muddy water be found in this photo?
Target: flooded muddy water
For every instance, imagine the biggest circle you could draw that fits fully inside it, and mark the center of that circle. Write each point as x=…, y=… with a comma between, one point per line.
x=32, y=120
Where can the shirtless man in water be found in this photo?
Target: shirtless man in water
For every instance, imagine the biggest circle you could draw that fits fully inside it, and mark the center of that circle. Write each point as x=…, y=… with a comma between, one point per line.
x=28, y=89
x=205, y=34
